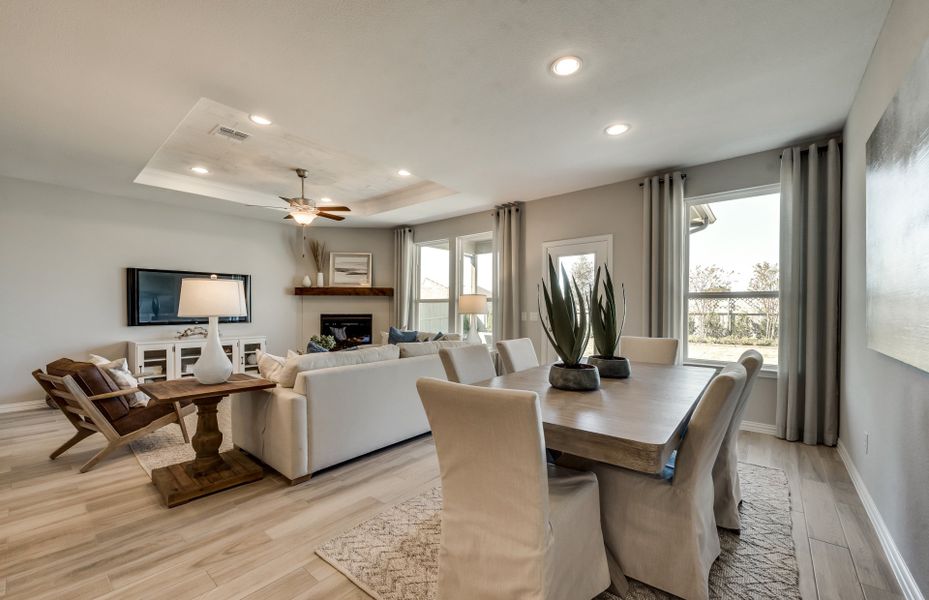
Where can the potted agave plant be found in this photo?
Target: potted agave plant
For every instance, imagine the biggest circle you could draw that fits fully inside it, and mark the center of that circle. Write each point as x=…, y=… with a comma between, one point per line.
x=568, y=330
x=603, y=325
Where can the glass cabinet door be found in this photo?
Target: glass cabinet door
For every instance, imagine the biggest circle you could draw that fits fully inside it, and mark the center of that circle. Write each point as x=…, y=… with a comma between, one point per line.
x=248, y=351
x=155, y=363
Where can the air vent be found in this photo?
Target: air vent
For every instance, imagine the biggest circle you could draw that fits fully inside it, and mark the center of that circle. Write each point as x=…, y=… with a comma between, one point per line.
x=228, y=132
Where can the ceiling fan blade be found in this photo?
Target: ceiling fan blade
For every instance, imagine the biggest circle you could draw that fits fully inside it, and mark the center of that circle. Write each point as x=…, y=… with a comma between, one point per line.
x=288, y=217
x=333, y=217
x=333, y=208
x=266, y=206
x=287, y=200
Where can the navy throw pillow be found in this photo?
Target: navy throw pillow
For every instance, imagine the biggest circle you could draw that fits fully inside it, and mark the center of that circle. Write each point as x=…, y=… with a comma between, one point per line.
x=314, y=347
x=395, y=336
x=437, y=337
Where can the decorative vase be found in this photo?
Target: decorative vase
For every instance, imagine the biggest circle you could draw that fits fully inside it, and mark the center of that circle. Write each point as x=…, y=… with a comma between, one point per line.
x=319, y=280
x=583, y=378
x=307, y=282
x=611, y=367
x=213, y=366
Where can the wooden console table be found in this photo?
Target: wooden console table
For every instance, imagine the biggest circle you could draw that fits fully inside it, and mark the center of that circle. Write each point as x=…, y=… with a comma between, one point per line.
x=211, y=471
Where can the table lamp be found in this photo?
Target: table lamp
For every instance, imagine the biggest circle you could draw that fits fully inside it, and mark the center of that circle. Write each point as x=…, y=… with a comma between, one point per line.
x=212, y=298
x=472, y=304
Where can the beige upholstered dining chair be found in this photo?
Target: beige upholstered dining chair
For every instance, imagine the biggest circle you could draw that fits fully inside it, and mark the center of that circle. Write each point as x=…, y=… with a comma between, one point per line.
x=662, y=351
x=467, y=364
x=726, y=470
x=662, y=532
x=517, y=355
x=512, y=525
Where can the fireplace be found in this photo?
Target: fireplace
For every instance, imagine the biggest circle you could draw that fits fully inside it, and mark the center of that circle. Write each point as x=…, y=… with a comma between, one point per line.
x=348, y=330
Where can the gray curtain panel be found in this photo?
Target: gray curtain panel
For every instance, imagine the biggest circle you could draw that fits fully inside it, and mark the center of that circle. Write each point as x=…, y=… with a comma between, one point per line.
x=807, y=381
x=403, y=277
x=664, y=245
x=507, y=242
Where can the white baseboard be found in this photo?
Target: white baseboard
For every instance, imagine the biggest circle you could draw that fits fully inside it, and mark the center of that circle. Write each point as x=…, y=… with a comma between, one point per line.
x=21, y=406
x=901, y=571
x=758, y=427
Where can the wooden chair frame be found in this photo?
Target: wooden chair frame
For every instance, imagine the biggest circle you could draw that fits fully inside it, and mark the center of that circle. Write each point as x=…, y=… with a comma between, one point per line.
x=82, y=412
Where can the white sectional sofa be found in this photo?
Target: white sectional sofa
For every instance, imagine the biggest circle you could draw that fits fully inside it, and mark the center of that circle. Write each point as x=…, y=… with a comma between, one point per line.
x=330, y=414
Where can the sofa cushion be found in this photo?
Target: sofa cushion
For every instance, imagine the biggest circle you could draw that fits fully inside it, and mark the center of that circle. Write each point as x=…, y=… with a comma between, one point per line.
x=92, y=382
x=423, y=336
x=323, y=360
x=413, y=349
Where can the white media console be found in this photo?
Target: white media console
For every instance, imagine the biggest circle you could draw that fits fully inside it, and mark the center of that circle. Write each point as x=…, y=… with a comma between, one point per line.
x=172, y=359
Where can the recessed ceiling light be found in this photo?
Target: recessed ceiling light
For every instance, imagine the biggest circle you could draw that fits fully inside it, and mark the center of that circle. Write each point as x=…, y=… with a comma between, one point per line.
x=403, y=173
x=616, y=129
x=325, y=199
x=259, y=120
x=200, y=170
x=566, y=65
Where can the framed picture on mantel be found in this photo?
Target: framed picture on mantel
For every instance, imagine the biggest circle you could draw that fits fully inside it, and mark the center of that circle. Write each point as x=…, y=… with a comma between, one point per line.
x=350, y=269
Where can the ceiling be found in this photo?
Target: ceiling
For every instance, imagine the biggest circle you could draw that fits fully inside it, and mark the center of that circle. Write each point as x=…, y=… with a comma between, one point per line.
x=255, y=165
x=459, y=93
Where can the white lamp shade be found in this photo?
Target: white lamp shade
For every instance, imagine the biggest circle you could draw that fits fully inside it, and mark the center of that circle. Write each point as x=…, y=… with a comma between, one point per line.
x=212, y=298
x=472, y=304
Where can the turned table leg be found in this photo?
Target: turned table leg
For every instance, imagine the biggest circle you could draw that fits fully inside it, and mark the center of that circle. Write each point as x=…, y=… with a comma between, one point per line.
x=208, y=438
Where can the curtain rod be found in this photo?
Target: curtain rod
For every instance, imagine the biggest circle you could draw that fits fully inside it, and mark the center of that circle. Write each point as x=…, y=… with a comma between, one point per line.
x=819, y=147
x=683, y=176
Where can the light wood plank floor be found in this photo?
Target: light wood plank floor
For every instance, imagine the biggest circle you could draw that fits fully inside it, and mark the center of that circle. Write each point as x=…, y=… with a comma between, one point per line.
x=104, y=534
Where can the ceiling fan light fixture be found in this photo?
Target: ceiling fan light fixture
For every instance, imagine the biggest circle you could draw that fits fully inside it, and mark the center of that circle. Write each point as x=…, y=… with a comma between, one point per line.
x=303, y=218
x=259, y=120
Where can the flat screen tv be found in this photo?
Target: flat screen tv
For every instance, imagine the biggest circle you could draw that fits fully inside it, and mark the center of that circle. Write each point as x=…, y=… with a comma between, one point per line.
x=152, y=296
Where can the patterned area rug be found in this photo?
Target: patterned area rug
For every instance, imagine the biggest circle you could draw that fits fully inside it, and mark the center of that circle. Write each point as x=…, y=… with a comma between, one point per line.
x=394, y=555
x=166, y=446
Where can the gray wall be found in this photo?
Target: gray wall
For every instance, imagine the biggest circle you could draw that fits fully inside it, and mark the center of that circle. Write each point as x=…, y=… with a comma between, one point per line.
x=103, y=234
x=64, y=254
x=615, y=209
x=881, y=396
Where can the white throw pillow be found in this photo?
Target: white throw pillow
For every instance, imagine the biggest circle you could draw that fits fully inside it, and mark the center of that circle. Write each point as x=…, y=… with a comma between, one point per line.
x=270, y=366
x=118, y=370
x=412, y=349
x=323, y=360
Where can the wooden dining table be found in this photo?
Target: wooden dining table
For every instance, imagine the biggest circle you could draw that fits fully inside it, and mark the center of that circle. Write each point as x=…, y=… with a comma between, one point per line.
x=635, y=423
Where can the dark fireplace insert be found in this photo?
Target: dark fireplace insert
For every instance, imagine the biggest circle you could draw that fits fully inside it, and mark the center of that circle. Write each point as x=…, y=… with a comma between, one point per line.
x=348, y=330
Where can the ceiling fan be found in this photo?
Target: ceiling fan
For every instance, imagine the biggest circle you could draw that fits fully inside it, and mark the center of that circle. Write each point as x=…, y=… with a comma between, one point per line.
x=303, y=210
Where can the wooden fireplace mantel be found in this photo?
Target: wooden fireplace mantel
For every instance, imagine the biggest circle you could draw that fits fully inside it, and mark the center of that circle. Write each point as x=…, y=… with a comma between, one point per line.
x=344, y=291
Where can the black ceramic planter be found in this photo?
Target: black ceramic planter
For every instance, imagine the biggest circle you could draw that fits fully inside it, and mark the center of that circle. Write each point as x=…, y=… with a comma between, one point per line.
x=584, y=378
x=612, y=367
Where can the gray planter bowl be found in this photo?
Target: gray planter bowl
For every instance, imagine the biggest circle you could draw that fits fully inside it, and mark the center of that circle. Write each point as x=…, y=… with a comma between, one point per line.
x=583, y=379
x=612, y=367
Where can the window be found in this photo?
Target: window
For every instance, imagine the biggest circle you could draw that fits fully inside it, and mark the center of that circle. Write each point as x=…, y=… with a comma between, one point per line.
x=580, y=258
x=432, y=289
x=733, y=275
x=476, y=276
